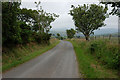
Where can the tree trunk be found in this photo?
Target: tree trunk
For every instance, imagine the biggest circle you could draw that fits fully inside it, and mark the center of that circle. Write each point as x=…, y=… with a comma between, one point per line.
x=87, y=37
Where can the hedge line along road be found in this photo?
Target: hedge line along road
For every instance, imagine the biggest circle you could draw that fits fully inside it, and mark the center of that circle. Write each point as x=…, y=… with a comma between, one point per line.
x=59, y=62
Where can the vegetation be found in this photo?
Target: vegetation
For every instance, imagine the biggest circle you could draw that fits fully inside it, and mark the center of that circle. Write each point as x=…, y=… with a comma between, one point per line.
x=70, y=33
x=24, y=33
x=98, y=58
x=114, y=4
x=21, y=54
x=21, y=26
x=84, y=19
x=105, y=52
x=59, y=36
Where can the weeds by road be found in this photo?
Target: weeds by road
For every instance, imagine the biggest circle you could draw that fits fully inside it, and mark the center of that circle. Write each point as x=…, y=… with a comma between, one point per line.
x=22, y=54
x=97, y=59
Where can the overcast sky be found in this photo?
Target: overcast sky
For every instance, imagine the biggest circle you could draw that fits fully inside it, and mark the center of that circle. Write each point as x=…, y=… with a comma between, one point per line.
x=62, y=7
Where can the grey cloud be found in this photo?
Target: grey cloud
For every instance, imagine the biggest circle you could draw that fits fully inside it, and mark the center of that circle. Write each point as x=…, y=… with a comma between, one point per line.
x=62, y=7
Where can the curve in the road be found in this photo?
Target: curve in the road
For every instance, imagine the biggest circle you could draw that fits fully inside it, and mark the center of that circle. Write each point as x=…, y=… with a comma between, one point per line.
x=59, y=62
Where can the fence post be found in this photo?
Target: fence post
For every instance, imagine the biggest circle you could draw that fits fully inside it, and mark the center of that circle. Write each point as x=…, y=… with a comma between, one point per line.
x=110, y=37
x=95, y=37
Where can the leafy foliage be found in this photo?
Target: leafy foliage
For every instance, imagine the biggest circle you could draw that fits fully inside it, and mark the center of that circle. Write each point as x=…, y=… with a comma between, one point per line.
x=70, y=33
x=58, y=34
x=108, y=54
x=115, y=6
x=21, y=26
x=103, y=62
x=84, y=19
x=10, y=30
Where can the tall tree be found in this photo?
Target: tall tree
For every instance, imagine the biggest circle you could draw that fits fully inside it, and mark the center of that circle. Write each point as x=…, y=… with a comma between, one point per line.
x=44, y=19
x=58, y=34
x=88, y=18
x=10, y=27
x=115, y=4
x=20, y=26
x=70, y=33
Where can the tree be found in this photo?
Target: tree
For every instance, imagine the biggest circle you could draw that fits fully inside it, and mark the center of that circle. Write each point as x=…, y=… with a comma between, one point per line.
x=115, y=11
x=10, y=28
x=70, y=33
x=44, y=19
x=114, y=4
x=26, y=23
x=42, y=23
x=58, y=34
x=88, y=18
x=21, y=26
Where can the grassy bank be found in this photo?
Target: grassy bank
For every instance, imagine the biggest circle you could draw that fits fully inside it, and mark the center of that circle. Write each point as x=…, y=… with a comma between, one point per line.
x=97, y=58
x=21, y=54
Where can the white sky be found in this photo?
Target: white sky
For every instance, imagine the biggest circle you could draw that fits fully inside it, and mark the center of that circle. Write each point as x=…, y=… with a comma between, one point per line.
x=62, y=7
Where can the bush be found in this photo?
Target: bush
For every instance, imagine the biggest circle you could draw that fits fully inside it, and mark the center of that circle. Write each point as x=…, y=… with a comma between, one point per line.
x=105, y=52
x=42, y=38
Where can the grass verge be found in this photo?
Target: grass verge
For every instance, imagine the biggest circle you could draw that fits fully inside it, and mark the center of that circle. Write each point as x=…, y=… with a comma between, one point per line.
x=22, y=54
x=89, y=65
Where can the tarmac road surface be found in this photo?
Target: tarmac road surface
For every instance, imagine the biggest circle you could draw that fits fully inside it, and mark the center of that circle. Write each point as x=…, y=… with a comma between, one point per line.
x=59, y=62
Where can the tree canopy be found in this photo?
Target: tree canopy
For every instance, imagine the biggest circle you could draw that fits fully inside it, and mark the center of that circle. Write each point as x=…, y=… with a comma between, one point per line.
x=114, y=4
x=88, y=18
x=21, y=26
x=70, y=33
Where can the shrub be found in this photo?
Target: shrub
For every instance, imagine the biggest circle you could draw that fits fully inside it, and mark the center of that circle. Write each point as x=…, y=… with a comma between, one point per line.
x=105, y=52
x=42, y=38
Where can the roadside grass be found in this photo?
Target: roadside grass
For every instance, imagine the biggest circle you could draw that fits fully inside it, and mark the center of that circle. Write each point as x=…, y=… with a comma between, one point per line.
x=21, y=54
x=90, y=66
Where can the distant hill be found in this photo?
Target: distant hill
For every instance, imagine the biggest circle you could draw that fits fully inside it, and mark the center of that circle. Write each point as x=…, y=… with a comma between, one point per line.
x=62, y=33
x=113, y=34
x=104, y=31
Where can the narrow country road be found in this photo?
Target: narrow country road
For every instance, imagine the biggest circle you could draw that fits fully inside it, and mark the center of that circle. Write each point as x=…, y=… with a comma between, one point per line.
x=59, y=62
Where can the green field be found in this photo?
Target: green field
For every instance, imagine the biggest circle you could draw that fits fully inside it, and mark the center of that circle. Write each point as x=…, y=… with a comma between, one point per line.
x=21, y=54
x=97, y=58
